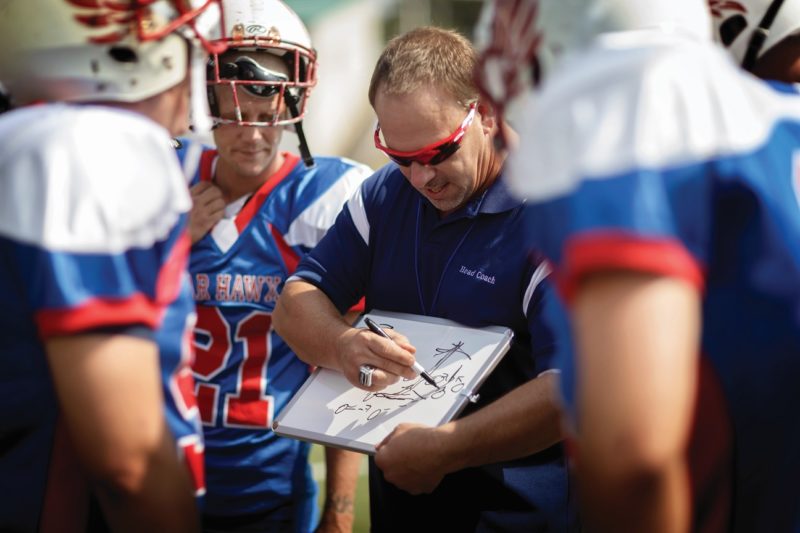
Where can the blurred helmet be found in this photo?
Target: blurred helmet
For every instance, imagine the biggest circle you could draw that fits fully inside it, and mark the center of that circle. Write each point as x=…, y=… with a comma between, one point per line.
x=269, y=27
x=522, y=39
x=100, y=50
x=748, y=28
x=510, y=57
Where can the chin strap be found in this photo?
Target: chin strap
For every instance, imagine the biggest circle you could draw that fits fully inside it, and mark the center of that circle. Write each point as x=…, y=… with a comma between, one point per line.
x=760, y=34
x=291, y=103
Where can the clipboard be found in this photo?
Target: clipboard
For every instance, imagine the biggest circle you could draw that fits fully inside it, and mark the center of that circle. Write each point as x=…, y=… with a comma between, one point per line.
x=328, y=410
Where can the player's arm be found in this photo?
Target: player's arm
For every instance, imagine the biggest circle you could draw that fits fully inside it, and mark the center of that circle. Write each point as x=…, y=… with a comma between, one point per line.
x=110, y=394
x=341, y=480
x=637, y=339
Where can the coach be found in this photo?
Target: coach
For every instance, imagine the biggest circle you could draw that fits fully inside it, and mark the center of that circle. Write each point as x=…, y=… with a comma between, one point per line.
x=436, y=233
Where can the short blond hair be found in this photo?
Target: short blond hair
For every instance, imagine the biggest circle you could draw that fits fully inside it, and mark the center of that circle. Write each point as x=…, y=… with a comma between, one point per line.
x=426, y=57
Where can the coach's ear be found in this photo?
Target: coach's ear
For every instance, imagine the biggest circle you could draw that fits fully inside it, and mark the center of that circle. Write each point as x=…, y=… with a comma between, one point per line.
x=488, y=118
x=502, y=135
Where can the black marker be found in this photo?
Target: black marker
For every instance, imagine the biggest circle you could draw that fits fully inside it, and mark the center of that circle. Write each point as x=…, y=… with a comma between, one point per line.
x=375, y=328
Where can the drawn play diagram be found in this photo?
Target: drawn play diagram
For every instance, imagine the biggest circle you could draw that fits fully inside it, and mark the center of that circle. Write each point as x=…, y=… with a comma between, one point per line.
x=329, y=410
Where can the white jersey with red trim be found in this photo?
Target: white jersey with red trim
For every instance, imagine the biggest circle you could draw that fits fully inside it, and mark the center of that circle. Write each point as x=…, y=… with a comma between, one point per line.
x=245, y=373
x=655, y=153
x=92, y=237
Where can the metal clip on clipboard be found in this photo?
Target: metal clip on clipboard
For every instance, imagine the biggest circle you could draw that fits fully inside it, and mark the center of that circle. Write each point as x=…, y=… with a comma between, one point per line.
x=473, y=398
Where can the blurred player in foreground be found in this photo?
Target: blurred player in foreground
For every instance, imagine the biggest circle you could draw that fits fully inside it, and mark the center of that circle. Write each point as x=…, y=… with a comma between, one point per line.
x=663, y=184
x=93, y=234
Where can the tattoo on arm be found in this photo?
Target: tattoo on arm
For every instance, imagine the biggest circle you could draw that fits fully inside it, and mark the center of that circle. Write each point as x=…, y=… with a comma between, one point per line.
x=340, y=504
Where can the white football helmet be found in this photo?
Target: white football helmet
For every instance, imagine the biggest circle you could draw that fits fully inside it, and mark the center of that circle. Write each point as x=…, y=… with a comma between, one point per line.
x=520, y=40
x=266, y=26
x=748, y=28
x=510, y=59
x=100, y=50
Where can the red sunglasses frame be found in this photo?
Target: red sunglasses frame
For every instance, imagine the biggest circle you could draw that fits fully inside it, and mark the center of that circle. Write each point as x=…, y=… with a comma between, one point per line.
x=434, y=153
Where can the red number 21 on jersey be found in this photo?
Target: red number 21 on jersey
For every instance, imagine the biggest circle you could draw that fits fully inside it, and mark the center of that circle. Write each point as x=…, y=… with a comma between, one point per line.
x=247, y=406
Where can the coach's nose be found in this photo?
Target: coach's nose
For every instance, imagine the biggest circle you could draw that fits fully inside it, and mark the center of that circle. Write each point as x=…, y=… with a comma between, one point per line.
x=419, y=175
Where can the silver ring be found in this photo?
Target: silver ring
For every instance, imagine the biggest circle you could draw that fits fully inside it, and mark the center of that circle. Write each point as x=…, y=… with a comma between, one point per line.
x=365, y=375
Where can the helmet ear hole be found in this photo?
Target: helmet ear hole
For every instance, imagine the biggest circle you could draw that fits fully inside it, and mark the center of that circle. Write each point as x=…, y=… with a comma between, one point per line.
x=289, y=59
x=536, y=70
x=730, y=29
x=5, y=101
x=123, y=54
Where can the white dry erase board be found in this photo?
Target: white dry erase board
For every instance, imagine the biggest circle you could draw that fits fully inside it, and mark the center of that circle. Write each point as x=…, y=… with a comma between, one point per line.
x=329, y=410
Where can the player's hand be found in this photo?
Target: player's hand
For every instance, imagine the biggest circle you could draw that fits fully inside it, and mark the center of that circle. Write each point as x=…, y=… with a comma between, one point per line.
x=413, y=458
x=391, y=360
x=208, y=207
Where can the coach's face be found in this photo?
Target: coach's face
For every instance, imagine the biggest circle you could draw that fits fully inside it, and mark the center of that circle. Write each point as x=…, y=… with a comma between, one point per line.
x=425, y=117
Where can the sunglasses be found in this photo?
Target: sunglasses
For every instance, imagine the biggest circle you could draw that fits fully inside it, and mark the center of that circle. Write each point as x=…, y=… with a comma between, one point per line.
x=245, y=75
x=433, y=154
x=266, y=83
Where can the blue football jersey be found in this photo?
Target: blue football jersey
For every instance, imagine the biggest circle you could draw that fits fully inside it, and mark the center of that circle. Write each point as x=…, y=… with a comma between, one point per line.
x=92, y=236
x=176, y=353
x=677, y=163
x=245, y=372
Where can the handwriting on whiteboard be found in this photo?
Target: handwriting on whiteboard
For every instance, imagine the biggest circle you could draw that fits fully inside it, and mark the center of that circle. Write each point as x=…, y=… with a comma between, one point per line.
x=449, y=379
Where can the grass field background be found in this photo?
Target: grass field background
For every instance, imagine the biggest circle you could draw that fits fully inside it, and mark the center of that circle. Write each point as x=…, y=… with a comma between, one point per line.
x=361, y=524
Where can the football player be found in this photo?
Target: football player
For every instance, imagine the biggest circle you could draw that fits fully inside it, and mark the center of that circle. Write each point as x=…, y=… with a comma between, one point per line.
x=257, y=211
x=95, y=302
x=662, y=182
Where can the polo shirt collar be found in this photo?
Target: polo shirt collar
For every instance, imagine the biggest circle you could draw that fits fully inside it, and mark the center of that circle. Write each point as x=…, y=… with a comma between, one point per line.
x=496, y=199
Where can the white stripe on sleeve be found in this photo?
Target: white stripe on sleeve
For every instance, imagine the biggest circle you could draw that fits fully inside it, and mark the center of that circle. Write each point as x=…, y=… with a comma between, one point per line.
x=541, y=272
x=359, y=214
x=311, y=225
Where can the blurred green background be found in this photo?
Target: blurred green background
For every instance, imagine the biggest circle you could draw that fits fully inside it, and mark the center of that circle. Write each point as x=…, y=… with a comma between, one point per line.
x=361, y=524
x=348, y=36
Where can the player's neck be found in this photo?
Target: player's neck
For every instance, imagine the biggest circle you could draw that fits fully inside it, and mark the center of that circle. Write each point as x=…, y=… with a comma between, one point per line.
x=235, y=184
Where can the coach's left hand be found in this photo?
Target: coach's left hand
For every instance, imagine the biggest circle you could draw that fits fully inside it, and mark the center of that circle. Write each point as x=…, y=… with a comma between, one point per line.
x=415, y=458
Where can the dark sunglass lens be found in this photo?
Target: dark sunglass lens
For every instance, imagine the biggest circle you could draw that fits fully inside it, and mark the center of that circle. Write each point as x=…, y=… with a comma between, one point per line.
x=263, y=91
x=402, y=161
x=445, y=152
x=246, y=69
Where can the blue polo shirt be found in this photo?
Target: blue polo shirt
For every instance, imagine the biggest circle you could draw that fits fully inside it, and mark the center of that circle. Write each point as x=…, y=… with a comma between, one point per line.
x=473, y=267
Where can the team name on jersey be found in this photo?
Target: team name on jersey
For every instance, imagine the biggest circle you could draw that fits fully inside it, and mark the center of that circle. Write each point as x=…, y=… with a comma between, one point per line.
x=236, y=288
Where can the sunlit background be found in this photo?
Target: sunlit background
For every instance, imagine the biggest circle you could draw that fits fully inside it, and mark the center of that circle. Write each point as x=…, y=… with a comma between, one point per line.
x=348, y=36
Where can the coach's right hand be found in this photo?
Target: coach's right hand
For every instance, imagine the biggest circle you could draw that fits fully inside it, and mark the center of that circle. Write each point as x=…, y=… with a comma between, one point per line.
x=390, y=359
